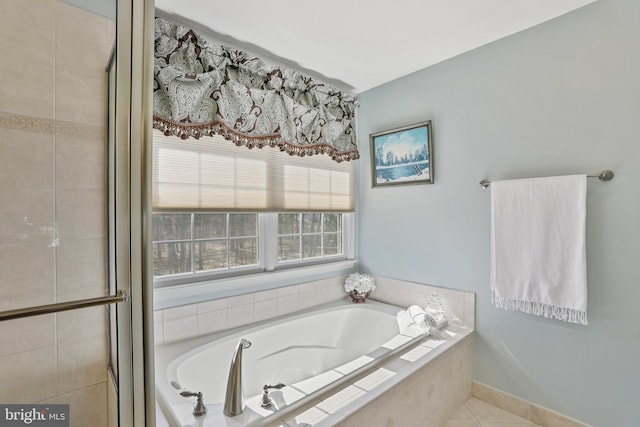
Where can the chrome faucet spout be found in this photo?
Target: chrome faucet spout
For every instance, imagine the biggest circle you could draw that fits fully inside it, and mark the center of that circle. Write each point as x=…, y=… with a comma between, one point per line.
x=234, y=397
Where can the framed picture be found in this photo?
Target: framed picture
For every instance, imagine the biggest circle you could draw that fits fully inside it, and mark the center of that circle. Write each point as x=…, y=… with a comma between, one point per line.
x=402, y=156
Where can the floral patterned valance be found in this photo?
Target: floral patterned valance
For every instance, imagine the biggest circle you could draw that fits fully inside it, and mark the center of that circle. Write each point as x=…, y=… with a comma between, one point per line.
x=204, y=89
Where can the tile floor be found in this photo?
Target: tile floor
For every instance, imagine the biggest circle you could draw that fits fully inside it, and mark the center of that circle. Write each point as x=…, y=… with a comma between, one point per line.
x=476, y=413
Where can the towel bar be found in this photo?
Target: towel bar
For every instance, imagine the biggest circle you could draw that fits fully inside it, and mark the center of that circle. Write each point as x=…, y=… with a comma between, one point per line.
x=63, y=306
x=605, y=175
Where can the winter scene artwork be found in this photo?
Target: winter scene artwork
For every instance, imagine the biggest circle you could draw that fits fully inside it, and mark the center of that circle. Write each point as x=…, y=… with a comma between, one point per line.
x=402, y=156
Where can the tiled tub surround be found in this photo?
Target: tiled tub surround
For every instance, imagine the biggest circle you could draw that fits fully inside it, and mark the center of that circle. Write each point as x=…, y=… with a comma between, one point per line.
x=361, y=381
x=188, y=321
x=445, y=380
x=52, y=204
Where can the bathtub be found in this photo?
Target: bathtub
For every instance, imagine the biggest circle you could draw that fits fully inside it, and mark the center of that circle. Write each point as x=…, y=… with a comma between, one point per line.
x=310, y=353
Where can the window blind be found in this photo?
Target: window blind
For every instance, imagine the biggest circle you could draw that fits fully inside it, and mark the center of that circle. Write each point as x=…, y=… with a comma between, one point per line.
x=214, y=174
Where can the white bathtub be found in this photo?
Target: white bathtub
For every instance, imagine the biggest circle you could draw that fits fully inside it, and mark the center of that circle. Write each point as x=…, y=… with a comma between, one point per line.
x=305, y=351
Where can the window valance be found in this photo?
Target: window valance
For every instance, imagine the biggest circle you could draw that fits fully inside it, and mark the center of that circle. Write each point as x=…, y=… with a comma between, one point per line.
x=205, y=89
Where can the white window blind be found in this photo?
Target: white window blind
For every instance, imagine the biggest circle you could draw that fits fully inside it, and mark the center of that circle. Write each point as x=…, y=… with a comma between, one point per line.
x=214, y=174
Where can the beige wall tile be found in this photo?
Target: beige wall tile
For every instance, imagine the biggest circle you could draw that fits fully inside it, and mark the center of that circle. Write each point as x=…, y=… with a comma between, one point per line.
x=26, y=272
x=35, y=15
x=27, y=80
x=112, y=403
x=81, y=43
x=80, y=162
x=82, y=363
x=27, y=214
x=81, y=98
x=19, y=335
x=87, y=407
x=76, y=290
x=32, y=376
x=76, y=325
x=27, y=159
x=111, y=32
x=82, y=51
x=27, y=86
x=79, y=262
x=80, y=214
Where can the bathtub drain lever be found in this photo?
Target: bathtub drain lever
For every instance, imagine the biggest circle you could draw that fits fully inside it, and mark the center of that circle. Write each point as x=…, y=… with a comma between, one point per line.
x=266, y=400
x=199, y=409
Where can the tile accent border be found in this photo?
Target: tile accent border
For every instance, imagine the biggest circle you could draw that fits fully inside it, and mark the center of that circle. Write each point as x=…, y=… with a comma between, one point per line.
x=48, y=126
x=523, y=408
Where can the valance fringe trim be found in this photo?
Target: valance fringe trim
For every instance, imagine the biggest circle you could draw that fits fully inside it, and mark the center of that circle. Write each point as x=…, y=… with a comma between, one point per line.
x=184, y=131
x=565, y=314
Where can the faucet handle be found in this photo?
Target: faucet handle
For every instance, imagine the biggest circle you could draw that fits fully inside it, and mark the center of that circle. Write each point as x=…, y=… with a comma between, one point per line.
x=266, y=400
x=267, y=387
x=199, y=410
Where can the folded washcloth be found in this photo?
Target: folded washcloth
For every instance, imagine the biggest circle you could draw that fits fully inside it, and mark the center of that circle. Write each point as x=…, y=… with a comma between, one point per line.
x=416, y=313
x=407, y=326
x=416, y=321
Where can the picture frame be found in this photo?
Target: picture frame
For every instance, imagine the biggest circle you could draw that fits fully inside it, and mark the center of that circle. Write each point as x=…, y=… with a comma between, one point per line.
x=402, y=156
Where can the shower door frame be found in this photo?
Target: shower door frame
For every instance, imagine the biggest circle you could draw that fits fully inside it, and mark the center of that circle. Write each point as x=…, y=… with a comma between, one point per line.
x=132, y=211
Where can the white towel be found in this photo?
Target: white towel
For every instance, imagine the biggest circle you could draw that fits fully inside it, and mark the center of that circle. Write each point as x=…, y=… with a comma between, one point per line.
x=538, y=260
x=417, y=315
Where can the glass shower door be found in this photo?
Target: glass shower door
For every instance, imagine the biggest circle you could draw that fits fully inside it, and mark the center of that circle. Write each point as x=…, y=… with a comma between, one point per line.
x=55, y=340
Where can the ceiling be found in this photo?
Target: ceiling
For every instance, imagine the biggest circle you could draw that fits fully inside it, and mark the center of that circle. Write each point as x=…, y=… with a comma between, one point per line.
x=359, y=44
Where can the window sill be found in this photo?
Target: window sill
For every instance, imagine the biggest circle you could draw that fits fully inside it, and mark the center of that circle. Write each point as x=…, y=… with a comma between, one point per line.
x=172, y=296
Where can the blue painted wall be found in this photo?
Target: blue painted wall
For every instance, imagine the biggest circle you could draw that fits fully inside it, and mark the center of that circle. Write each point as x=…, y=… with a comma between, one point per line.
x=559, y=98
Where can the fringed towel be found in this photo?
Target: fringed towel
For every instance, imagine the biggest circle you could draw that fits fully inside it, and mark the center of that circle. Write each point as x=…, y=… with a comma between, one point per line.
x=538, y=260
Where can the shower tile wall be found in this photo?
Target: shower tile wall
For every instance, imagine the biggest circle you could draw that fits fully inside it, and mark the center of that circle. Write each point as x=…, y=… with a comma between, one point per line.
x=52, y=203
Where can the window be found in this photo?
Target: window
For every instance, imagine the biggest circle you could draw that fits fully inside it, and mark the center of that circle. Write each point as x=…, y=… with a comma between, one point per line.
x=197, y=242
x=304, y=236
x=198, y=246
x=222, y=210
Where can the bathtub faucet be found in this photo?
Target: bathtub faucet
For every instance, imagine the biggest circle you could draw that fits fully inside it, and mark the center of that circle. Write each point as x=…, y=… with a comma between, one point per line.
x=266, y=399
x=234, y=398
